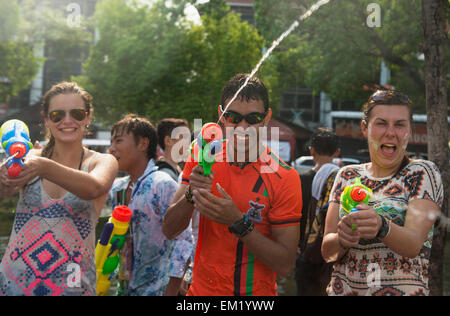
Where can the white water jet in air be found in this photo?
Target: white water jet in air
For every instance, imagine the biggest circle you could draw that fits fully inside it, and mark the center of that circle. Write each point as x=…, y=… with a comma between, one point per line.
x=293, y=26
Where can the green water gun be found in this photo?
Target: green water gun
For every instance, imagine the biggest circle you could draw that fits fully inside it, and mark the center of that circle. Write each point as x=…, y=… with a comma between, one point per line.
x=353, y=195
x=209, y=143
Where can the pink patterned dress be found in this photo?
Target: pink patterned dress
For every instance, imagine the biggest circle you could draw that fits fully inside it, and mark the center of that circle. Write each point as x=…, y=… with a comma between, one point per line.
x=51, y=247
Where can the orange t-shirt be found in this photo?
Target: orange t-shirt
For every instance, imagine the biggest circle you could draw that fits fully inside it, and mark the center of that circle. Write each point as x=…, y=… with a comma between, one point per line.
x=267, y=189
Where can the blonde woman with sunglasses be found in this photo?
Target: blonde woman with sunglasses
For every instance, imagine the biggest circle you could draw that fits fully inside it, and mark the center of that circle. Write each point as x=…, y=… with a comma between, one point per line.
x=62, y=189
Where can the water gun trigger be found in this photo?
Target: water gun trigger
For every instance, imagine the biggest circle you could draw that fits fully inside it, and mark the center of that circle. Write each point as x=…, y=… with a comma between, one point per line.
x=114, y=247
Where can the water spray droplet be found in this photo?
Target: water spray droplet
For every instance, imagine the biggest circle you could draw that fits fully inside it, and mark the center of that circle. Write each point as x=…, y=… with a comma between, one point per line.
x=293, y=26
x=432, y=216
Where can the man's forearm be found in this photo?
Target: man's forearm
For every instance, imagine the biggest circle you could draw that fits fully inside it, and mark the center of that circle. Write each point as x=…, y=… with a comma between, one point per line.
x=177, y=217
x=276, y=255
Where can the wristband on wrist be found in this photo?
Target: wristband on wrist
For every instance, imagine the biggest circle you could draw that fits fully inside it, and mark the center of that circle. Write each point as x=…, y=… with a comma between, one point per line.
x=242, y=227
x=385, y=228
x=188, y=194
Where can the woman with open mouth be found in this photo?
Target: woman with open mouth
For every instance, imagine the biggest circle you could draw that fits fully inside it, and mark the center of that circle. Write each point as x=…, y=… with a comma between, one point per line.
x=383, y=247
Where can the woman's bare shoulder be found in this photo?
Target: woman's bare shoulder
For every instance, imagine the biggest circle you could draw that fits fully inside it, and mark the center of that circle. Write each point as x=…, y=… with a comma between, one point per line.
x=97, y=157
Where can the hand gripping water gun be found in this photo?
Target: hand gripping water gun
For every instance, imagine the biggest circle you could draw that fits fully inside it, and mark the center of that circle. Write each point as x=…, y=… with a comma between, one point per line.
x=353, y=195
x=209, y=142
x=111, y=240
x=15, y=138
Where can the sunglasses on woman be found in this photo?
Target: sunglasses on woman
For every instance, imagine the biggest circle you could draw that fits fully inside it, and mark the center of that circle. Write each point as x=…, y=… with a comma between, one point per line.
x=236, y=117
x=57, y=115
x=389, y=97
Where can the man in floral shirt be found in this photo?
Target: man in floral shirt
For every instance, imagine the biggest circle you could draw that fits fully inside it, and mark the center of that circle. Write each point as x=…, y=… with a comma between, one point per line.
x=148, y=192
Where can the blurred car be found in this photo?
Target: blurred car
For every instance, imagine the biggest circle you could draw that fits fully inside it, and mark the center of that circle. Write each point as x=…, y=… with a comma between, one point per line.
x=304, y=163
x=341, y=162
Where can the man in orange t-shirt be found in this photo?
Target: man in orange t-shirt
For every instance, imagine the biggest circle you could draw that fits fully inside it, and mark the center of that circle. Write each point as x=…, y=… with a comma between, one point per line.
x=250, y=209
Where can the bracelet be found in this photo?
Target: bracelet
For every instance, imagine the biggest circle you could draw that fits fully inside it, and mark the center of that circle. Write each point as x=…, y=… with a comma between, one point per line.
x=242, y=227
x=249, y=229
x=385, y=228
x=390, y=223
x=244, y=233
x=188, y=194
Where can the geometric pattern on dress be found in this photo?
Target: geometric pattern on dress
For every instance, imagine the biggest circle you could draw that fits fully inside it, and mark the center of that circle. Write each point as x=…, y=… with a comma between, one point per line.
x=21, y=219
x=43, y=288
x=44, y=255
x=389, y=291
x=60, y=210
x=54, y=210
x=393, y=191
x=399, y=275
x=375, y=185
x=83, y=225
x=350, y=174
x=419, y=292
x=397, y=216
x=427, y=196
x=390, y=263
x=46, y=237
x=413, y=182
x=337, y=286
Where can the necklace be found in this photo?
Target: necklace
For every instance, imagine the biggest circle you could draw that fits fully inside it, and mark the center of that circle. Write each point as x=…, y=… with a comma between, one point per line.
x=81, y=160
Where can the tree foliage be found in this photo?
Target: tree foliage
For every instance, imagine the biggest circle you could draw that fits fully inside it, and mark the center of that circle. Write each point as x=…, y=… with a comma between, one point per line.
x=48, y=24
x=24, y=30
x=338, y=52
x=18, y=65
x=151, y=61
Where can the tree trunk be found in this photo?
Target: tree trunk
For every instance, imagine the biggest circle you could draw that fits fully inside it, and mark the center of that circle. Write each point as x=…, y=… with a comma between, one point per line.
x=433, y=19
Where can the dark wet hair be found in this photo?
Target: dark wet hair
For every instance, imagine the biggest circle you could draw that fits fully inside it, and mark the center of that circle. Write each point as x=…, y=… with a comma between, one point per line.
x=386, y=97
x=325, y=141
x=166, y=126
x=140, y=127
x=254, y=90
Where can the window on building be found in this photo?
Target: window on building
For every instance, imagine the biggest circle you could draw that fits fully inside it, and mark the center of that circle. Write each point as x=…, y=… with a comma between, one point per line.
x=300, y=103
